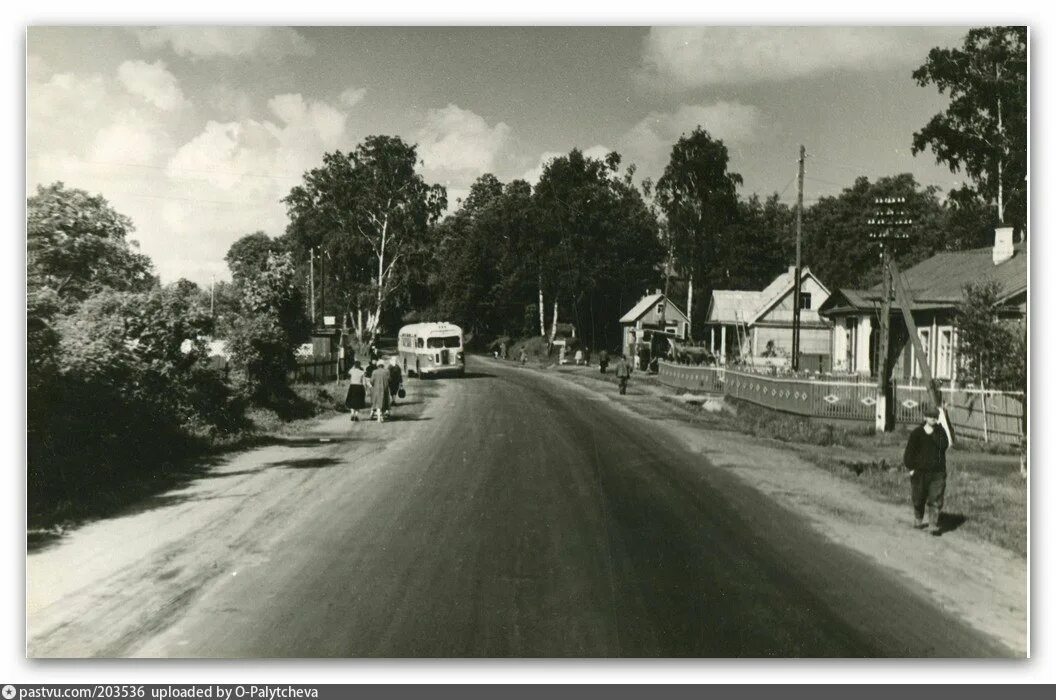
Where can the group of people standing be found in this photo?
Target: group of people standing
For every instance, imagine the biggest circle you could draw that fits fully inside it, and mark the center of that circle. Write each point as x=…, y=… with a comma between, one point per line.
x=381, y=382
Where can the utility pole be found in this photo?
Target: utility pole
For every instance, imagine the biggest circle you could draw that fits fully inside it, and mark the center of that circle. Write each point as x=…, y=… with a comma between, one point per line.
x=888, y=218
x=311, y=282
x=212, y=296
x=797, y=281
x=322, y=288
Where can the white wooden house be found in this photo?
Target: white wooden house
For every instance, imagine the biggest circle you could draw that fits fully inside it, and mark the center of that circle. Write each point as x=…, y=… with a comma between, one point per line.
x=654, y=311
x=756, y=326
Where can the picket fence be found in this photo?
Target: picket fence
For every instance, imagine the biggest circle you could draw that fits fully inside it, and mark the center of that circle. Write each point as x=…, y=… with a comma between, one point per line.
x=992, y=416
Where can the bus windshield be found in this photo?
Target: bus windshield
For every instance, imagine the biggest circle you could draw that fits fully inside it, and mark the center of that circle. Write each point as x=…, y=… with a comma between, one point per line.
x=449, y=341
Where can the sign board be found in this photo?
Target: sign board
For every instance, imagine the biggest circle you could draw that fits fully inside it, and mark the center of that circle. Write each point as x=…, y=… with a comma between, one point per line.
x=329, y=320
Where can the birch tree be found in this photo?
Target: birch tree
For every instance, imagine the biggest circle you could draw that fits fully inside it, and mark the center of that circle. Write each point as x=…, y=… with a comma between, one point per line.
x=369, y=211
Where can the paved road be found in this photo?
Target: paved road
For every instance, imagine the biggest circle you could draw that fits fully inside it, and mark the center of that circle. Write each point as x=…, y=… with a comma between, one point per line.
x=531, y=518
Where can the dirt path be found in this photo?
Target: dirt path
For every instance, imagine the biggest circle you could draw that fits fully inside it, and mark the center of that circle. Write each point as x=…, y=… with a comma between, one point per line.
x=983, y=584
x=102, y=588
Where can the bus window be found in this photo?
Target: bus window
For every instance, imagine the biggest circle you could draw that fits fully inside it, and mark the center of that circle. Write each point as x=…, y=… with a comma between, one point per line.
x=421, y=343
x=450, y=341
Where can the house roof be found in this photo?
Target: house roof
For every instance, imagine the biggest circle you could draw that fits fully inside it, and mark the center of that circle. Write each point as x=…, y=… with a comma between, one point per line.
x=742, y=306
x=782, y=285
x=644, y=304
x=732, y=306
x=942, y=277
x=939, y=281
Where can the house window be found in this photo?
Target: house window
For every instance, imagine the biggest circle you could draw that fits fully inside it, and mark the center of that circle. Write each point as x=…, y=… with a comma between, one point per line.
x=944, y=364
x=804, y=300
x=925, y=343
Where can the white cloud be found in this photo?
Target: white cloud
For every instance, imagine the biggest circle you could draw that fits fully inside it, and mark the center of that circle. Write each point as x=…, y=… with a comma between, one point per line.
x=228, y=42
x=690, y=57
x=352, y=96
x=455, y=140
x=648, y=143
x=153, y=82
x=598, y=152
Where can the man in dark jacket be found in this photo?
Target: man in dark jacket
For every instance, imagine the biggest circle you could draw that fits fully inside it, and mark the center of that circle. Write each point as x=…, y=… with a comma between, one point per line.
x=925, y=458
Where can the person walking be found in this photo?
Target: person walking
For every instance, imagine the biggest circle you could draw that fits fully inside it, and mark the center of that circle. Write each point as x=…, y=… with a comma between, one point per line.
x=925, y=458
x=623, y=373
x=395, y=379
x=603, y=361
x=524, y=357
x=579, y=357
x=380, y=398
x=356, y=397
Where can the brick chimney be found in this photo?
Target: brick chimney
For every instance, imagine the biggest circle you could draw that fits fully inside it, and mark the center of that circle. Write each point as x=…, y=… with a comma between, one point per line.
x=1003, y=249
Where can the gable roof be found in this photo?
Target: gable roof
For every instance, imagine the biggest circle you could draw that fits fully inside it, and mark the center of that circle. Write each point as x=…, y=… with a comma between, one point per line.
x=781, y=286
x=644, y=304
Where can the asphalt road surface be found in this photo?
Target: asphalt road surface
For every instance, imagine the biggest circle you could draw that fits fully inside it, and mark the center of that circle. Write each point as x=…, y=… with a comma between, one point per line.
x=531, y=518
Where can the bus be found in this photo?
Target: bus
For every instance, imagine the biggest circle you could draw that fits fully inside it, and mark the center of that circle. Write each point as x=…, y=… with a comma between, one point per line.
x=428, y=349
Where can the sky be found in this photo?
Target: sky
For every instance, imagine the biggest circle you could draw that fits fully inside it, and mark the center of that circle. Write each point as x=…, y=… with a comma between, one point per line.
x=196, y=133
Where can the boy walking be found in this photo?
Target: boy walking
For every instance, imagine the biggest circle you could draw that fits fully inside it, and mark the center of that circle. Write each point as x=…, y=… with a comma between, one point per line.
x=925, y=458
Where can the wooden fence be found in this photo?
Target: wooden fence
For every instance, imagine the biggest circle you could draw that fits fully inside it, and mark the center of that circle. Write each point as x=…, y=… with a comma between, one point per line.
x=993, y=416
x=311, y=369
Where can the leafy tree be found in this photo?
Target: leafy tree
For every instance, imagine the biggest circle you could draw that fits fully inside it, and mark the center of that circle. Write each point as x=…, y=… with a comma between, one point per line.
x=993, y=349
x=597, y=240
x=757, y=246
x=984, y=129
x=836, y=235
x=698, y=196
x=270, y=326
x=370, y=211
x=78, y=245
x=250, y=255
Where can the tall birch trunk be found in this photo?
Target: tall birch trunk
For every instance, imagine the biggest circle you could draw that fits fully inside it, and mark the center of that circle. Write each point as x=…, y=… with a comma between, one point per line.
x=542, y=310
x=553, y=323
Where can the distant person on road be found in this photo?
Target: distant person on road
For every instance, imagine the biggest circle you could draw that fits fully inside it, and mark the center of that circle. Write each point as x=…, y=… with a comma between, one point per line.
x=524, y=357
x=503, y=352
x=925, y=458
x=579, y=357
x=356, y=398
x=380, y=398
x=623, y=373
x=603, y=361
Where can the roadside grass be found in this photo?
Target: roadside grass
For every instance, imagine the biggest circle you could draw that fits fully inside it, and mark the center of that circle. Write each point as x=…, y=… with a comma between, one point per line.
x=985, y=493
x=131, y=486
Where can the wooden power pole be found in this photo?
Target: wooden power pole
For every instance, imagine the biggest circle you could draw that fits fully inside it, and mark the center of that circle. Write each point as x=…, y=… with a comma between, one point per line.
x=888, y=218
x=797, y=281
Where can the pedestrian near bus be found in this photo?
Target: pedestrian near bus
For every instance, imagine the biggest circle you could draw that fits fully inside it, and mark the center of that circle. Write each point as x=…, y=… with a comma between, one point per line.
x=380, y=398
x=395, y=379
x=356, y=397
x=623, y=373
x=925, y=458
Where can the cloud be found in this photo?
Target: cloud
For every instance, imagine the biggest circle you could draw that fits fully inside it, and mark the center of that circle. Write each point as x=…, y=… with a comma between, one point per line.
x=458, y=141
x=189, y=198
x=648, y=143
x=352, y=96
x=532, y=175
x=154, y=83
x=689, y=57
x=227, y=42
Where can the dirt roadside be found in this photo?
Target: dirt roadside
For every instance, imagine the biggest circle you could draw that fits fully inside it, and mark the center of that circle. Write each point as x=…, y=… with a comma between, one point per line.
x=103, y=587
x=983, y=584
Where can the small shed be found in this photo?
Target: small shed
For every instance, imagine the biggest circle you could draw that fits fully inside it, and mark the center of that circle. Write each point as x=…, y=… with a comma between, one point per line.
x=653, y=312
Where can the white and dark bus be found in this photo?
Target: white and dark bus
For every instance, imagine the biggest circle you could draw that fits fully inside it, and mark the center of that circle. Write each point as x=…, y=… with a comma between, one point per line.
x=432, y=348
